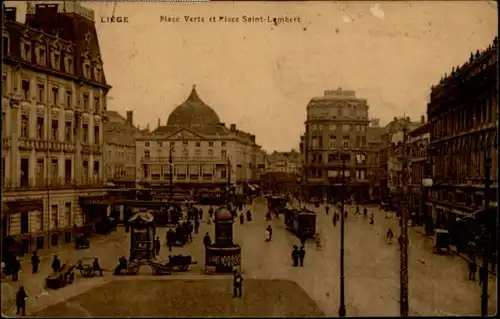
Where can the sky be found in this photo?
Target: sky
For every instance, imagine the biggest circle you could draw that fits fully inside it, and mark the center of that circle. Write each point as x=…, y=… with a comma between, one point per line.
x=261, y=76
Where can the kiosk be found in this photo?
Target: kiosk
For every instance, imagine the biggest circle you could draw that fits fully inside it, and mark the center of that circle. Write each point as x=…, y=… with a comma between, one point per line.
x=142, y=235
x=223, y=255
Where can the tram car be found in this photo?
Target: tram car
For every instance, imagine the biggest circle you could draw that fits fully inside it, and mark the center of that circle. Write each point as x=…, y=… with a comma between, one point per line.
x=301, y=222
x=276, y=204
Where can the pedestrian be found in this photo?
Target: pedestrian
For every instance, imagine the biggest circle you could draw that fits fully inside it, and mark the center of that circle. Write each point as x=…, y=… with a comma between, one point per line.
x=483, y=275
x=21, y=297
x=389, y=235
x=295, y=256
x=211, y=212
x=96, y=267
x=237, y=284
x=357, y=211
x=365, y=212
x=35, y=262
x=268, y=235
x=268, y=216
x=345, y=214
x=56, y=264
x=372, y=219
x=335, y=217
x=318, y=241
x=270, y=231
x=327, y=209
x=242, y=219
x=249, y=216
x=302, y=254
x=16, y=268
x=170, y=239
x=196, y=225
x=157, y=246
x=200, y=212
x=189, y=229
x=206, y=240
x=472, y=269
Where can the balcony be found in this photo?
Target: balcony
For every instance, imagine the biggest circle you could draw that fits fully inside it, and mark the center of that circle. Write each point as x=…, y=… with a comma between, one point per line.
x=53, y=183
x=92, y=149
x=184, y=159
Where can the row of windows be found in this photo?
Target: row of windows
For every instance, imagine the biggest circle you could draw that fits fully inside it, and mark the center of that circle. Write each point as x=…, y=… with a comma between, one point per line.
x=42, y=175
x=54, y=130
x=55, y=58
x=319, y=173
x=184, y=143
x=317, y=142
x=197, y=153
x=335, y=127
x=55, y=95
x=480, y=112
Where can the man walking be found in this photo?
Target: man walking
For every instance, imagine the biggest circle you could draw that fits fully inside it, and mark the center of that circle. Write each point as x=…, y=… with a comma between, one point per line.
x=295, y=256
x=237, y=284
x=56, y=264
x=157, y=245
x=206, y=240
x=472, y=269
x=35, y=262
x=196, y=225
x=21, y=297
x=327, y=209
x=302, y=254
x=16, y=267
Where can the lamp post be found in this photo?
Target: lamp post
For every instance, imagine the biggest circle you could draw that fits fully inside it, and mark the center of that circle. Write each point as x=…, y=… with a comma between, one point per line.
x=171, y=177
x=342, y=309
x=228, y=188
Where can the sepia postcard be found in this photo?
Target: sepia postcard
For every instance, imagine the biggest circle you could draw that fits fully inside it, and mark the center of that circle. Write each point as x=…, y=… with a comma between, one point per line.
x=249, y=158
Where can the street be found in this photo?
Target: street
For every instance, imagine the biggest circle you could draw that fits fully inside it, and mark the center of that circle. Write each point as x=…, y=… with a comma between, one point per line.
x=438, y=283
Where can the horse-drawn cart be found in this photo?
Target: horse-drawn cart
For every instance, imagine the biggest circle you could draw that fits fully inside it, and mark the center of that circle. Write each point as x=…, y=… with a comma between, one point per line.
x=175, y=263
x=64, y=276
x=132, y=268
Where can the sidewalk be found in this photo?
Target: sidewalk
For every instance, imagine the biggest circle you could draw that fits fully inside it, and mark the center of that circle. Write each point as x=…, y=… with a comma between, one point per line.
x=420, y=230
x=95, y=239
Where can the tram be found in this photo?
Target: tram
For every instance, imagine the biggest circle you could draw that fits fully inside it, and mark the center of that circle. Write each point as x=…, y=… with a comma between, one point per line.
x=301, y=222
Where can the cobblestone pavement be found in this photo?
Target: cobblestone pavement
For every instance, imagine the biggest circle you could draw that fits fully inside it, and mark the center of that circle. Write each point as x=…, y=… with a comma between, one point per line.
x=438, y=283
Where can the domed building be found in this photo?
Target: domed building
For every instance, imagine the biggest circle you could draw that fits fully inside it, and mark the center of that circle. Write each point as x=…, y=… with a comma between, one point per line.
x=200, y=147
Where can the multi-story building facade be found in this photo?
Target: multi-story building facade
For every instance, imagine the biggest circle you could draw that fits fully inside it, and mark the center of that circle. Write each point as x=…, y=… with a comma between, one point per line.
x=374, y=136
x=119, y=148
x=199, y=150
x=389, y=158
x=418, y=138
x=54, y=95
x=337, y=123
x=463, y=116
x=287, y=162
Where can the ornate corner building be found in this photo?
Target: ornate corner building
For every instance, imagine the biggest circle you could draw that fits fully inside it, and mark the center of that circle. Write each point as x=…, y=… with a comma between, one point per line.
x=196, y=151
x=463, y=117
x=337, y=123
x=54, y=95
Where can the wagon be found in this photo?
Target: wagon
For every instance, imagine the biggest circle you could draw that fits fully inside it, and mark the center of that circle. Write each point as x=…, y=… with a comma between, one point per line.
x=442, y=241
x=64, y=276
x=85, y=267
x=132, y=269
x=159, y=267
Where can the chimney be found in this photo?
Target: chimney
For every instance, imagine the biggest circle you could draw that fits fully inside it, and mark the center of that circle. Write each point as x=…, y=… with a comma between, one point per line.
x=130, y=118
x=395, y=118
x=159, y=123
x=233, y=127
x=422, y=119
x=10, y=13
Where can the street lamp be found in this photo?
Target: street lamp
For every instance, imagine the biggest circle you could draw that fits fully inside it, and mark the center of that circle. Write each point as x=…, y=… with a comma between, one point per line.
x=342, y=309
x=171, y=177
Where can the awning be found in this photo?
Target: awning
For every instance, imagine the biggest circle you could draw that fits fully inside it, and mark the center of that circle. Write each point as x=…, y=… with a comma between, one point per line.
x=142, y=216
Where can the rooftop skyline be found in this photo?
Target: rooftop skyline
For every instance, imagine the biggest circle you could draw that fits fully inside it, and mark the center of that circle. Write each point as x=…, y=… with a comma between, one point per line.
x=261, y=76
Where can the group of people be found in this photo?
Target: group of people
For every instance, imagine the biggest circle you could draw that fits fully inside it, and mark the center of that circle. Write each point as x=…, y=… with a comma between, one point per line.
x=298, y=256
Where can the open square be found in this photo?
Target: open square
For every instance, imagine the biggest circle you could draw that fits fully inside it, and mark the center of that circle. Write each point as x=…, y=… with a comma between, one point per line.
x=188, y=298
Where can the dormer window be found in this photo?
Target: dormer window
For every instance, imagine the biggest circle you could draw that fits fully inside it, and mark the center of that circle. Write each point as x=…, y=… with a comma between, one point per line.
x=86, y=69
x=26, y=51
x=42, y=56
x=56, y=59
x=68, y=62
x=97, y=73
